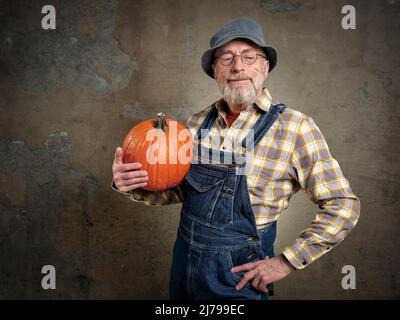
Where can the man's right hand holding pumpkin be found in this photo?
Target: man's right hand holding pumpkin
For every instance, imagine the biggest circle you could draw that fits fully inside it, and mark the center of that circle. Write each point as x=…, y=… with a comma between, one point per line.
x=127, y=176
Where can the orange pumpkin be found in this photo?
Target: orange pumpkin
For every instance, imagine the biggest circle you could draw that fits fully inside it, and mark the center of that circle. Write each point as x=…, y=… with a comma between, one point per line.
x=164, y=147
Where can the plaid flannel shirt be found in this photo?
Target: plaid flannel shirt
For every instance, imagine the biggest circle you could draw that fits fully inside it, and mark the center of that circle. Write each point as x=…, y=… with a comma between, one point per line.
x=293, y=155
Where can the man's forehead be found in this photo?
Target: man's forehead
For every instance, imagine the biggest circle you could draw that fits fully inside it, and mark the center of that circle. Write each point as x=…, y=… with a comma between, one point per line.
x=239, y=44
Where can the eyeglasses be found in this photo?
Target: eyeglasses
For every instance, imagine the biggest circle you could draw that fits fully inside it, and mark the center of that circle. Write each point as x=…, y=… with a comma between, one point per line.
x=248, y=57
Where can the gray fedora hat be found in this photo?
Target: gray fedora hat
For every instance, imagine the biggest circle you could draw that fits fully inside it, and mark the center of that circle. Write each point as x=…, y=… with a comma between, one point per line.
x=242, y=28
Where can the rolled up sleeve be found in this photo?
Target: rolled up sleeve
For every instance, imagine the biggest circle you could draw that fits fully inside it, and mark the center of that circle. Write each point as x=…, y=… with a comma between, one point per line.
x=152, y=198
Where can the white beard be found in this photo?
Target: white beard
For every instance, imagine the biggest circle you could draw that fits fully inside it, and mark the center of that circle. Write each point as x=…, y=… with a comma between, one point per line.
x=241, y=95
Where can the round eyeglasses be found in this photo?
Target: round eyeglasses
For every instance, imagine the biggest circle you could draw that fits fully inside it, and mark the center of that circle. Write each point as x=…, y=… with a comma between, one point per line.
x=248, y=57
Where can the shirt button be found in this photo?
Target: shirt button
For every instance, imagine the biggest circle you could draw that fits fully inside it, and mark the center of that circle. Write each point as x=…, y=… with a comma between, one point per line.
x=304, y=263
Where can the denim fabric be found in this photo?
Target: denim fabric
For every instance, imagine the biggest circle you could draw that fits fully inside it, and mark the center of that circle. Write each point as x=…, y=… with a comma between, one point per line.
x=217, y=227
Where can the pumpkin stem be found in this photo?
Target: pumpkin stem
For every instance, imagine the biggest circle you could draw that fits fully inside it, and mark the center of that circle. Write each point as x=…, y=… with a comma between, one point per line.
x=161, y=122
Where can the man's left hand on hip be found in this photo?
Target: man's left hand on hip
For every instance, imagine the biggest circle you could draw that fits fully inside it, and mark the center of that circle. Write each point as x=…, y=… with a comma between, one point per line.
x=263, y=272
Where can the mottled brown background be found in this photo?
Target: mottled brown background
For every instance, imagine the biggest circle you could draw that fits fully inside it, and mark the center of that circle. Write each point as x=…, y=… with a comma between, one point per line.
x=68, y=96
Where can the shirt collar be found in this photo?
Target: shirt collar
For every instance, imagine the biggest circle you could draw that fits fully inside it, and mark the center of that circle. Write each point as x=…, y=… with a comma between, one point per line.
x=263, y=102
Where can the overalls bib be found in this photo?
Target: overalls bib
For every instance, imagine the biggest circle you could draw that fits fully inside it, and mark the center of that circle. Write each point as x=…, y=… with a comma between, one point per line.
x=217, y=229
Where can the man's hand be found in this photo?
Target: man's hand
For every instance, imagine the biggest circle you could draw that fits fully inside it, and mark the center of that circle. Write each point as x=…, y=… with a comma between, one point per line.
x=127, y=176
x=263, y=272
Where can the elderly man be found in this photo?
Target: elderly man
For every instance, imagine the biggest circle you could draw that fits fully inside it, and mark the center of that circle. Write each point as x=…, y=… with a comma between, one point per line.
x=225, y=242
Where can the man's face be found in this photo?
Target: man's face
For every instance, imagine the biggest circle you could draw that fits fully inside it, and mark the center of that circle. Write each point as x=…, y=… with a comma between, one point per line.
x=240, y=83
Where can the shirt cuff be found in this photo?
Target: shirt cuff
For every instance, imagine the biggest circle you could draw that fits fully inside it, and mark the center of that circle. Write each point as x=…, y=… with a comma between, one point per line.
x=298, y=255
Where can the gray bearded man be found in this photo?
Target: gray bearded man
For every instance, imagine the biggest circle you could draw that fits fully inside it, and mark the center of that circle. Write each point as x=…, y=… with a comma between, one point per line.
x=225, y=241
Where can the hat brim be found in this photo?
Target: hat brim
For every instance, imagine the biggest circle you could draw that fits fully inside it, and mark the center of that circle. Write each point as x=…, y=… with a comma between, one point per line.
x=208, y=56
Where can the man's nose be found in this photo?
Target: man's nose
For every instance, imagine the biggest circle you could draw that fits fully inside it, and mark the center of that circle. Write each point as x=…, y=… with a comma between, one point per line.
x=237, y=64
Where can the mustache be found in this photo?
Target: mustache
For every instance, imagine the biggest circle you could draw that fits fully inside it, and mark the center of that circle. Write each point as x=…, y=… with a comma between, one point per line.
x=239, y=78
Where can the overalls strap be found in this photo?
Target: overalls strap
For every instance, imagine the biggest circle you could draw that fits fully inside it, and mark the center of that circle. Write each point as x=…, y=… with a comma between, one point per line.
x=262, y=125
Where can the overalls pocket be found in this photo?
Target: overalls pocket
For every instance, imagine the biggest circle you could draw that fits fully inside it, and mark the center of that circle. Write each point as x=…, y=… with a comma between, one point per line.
x=238, y=257
x=242, y=256
x=207, y=199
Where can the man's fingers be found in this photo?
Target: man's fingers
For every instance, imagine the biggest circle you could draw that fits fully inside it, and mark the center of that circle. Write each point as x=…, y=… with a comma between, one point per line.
x=262, y=273
x=135, y=186
x=244, y=267
x=118, y=155
x=260, y=282
x=118, y=160
x=252, y=274
x=262, y=286
x=134, y=174
x=132, y=166
x=256, y=281
x=246, y=278
x=122, y=168
x=132, y=182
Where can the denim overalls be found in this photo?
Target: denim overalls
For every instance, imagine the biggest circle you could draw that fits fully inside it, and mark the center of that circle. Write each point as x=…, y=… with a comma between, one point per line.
x=217, y=228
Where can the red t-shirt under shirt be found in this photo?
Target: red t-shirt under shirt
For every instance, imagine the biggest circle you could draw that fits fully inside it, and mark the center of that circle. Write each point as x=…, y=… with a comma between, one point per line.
x=231, y=117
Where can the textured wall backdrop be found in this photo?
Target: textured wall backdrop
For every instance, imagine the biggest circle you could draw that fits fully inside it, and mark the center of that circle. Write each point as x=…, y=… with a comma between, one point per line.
x=68, y=96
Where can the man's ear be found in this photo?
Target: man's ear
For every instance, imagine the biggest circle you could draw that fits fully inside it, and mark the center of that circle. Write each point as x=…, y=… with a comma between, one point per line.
x=266, y=65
